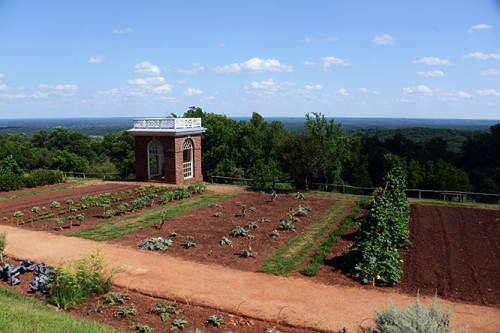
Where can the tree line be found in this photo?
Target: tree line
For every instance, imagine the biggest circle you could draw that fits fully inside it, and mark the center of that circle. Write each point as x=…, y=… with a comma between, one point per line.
x=267, y=152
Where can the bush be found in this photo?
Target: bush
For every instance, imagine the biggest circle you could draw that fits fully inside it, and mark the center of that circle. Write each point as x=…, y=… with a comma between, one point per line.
x=416, y=318
x=12, y=182
x=75, y=281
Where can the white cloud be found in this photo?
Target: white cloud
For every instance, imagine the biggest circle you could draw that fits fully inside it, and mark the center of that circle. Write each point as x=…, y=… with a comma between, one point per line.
x=39, y=94
x=479, y=27
x=443, y=95
x=192, y=91
x=488, y=92
x=163, y=89
x=124, y=31
x=59, y=87
x=491, y=71
x=194, y=68
x=454, y=95
x=146, y=68
x=482, y=56
x=384, y=40
x=436, y=73
x=326, y=63
x=97, y=59
x=147, y=81
x=432, y=61
x=342, y=92
x=363, y=90
x=308, y=40
x=169, y=99
x=314, y=87
x=267, y=87
x=2, y=75
x=254, y=65
x=3, y=86
x=421, y=89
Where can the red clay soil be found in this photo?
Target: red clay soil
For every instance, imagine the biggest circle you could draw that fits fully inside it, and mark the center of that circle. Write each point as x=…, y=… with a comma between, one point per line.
x=208, y=230
x=455, y=252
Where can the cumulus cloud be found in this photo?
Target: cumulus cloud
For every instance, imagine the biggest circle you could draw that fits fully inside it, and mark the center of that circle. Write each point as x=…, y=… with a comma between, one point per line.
x=147, y=81
x=163, y=89
x=194, y=68
x=488, y=92
x=422, y=89
x=314, y=87
x=436, y=73
x=59, y=87
x=384, y=40
x=192, y=91
x=444, y=95
x=97, y=59
x=254, y=65
x=124, y=31
x=481, y=26
x=342, y=92
x=432, y=61
x=146, y=68
x=482, y=56
x=266, y=87
x=326, y=63
x=491, y=71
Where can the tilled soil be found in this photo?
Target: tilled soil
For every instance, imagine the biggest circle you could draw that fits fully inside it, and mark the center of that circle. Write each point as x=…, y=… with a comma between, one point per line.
x=208, y=230
x=455, y=253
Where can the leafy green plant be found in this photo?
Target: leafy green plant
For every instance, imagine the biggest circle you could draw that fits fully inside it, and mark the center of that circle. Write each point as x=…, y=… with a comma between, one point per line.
x=275, y=233
x=3, y=244
x=70, y=219
x=226, y=241
x=74, y=281
x=416, y=318
x=69, y=202
x=383, y=229
x=239, y=232
x=263, y=219
x=301, y=211
x=274, y=195
x=214, y=205
x=60, y=223
x=164, y=310
x=243, y=210
x=144, y=328
x=156, y=244
x=109, y=213
x=114, y=298
x=216, y=320
x=189, y=242
x=55, y=204
x=271, y=330
x=152, y=197
x=96, y=307
x=80, y=218
x=18, y=213
x=252, y=209
x=126, y=311
x=122, y=208
x=35, y=209
x=252, y=225
x=248, y=252
x=217, y=214
x=72, y=209
x=286, y=225
x=163, y=218
x=178, y=323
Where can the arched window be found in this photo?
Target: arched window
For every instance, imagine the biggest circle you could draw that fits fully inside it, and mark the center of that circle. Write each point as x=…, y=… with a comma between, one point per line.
x=187, y=158
x=155, y=158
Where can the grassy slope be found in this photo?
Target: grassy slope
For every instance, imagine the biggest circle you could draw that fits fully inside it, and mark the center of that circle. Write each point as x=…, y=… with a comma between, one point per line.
x=21, y=314
x=290, y=256
x=130, y=223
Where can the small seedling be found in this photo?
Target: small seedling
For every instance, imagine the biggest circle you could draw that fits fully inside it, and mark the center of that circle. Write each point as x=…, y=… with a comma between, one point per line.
x=217, y=214
x=173, y=234
x=144, y=328
x=239, y=231
x=113, y=298
x=286, y=225
x=60, y=223
x=178, y=323
x=271, y=330
x=214, y=205
x=274, y=196
x=226, y=241
x=109, y=213
x=252, y=209
x=18, y=213
x=246, y=253
x=252, y=225
x=126, y=311
x=97, y=308
x=156, y=244
x=243, y=210
x=189, y=242
x=35, y=209
x=215, y=320
x=275, y=233
x=263, y=219
x=69, y=202
x=299, y=196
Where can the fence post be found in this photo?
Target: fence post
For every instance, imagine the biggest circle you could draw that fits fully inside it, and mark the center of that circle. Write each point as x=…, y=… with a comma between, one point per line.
x=212, y=179
x=343, y=189
x=420, y=194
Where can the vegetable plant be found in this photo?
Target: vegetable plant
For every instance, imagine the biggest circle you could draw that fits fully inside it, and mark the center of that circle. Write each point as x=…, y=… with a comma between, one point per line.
x=274, y=195
x=70, y=219
x=123, y=207
x=3, y=244
x=243, y=210
x=247, y=252
x=252, y=225
x=217, y=214
x=286, y=225
x=69, y=202
x=163, y=218
x=109, y=213
x=156, y=244
x=55, y=204
x=239, y=232
x=216, y=320
x=60, y=223
x=35, y=209
x=263, y=219
x=144, y=328
x=226, y=241
x=114, y=298
x=178, y=323
x=189, y=242
x=80, y=218
x=299, y=196
x=213, y=204
x=72, y=209
x=301, y=211
x=126, y=311
x=18, y=213
x=252, y=209
x=275, y=233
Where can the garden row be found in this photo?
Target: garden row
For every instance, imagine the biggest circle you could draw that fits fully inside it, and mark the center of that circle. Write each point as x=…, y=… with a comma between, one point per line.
x=104, y=205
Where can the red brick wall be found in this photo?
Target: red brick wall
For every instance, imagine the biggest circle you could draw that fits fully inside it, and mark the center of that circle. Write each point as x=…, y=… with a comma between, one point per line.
x=172, y=154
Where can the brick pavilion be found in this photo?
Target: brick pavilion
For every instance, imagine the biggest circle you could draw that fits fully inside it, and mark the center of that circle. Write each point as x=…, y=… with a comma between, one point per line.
x=168, y=149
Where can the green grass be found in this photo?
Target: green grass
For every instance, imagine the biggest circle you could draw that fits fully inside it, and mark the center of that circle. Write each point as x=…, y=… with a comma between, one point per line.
x=291, y=255
x=22, y=314
x=128, y=224
x=315, y=265
x=13, y=196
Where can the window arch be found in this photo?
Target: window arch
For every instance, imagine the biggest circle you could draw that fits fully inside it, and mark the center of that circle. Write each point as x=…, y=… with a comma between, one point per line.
x=187, y=158
x=155, y=158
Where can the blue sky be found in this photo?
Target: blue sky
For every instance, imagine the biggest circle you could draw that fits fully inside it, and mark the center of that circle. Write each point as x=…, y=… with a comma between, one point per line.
x=371, y=58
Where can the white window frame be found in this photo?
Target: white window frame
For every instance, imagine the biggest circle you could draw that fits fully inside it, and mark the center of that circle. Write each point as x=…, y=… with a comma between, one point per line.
x=155, y=148
x=187, y=167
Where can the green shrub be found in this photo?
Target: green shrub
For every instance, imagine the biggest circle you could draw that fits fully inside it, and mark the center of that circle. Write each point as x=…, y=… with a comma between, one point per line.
x=416, y=318
x=75, y=281
x=12, y=182
x=3, y=244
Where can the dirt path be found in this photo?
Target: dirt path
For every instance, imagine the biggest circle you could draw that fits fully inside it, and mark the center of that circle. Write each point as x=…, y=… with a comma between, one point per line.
x=297, y=302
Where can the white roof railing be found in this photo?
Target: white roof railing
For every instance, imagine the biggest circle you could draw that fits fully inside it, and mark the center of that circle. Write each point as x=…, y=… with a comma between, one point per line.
x=167, y=123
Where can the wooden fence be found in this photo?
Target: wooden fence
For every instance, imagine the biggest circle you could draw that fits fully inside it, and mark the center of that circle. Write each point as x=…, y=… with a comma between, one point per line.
x=82, y=174
x=462, y=196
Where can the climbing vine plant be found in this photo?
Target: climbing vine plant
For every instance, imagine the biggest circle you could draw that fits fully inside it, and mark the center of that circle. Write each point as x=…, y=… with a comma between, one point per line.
x=374, y=257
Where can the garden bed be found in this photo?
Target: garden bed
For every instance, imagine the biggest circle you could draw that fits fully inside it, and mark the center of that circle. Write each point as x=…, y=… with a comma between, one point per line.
x=208, y=230
x=455, y=253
